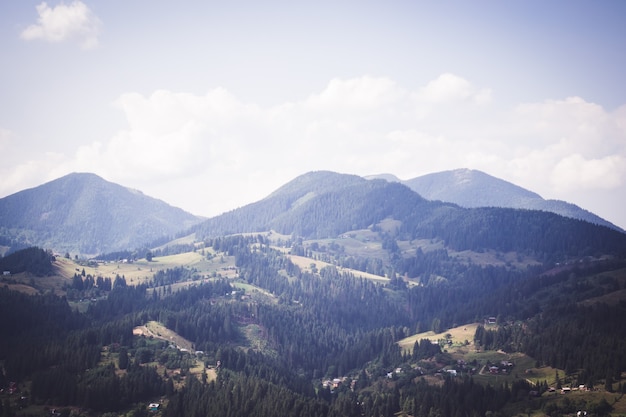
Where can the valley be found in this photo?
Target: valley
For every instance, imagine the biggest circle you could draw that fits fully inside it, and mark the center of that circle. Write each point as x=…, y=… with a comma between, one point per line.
x=325, y=300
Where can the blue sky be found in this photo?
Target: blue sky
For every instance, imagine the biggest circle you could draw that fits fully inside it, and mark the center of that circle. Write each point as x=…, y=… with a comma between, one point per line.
x=213, y=105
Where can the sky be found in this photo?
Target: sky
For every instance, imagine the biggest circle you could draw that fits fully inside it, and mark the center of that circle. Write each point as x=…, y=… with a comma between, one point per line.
x=212, y=105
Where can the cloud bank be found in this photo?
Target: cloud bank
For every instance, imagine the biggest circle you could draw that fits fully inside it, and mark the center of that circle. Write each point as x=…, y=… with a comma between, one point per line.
x=210, y=153
x=65, y=22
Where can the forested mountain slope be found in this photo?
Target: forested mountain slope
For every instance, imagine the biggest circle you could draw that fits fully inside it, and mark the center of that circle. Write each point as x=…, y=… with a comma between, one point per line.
x=281, y=338
x=284, y=323
x=83, y=213
x=326, y=205
x=280, y=206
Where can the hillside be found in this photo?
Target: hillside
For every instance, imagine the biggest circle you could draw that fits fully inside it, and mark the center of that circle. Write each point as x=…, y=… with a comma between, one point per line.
x=83, y=213
x=309, y=337
x=472, y=188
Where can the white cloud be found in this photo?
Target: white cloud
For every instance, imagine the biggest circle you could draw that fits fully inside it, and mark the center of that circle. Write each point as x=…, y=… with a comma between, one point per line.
x=451, y=88
x=32, y=172
x=357, y=93
x=575, y=172
x=571, y=121
x=64, y=22
x=567, y=145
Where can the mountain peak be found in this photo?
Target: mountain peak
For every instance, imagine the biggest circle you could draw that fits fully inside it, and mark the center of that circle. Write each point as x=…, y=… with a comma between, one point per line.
x=82, y=212
x=472, y=188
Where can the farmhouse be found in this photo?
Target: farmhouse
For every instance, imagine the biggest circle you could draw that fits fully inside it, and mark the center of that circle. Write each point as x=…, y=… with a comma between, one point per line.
x=335, y=383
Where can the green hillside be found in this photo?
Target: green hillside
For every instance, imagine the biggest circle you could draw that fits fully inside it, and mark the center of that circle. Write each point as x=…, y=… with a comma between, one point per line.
x=309, y=335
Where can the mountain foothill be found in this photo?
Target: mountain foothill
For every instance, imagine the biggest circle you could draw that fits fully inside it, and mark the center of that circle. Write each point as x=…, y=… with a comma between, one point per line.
x=451, y=294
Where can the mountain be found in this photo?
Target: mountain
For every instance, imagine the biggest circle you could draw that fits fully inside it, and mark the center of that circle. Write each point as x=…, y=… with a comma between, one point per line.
x=324, y=204
x=300, y=325
x=288, y=208
x=84, y=213
x=472, y=188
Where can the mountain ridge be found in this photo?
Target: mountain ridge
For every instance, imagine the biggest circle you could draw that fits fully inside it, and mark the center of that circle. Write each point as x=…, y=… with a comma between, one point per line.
x=84, y=213
x=354, y=203
x=473, y=188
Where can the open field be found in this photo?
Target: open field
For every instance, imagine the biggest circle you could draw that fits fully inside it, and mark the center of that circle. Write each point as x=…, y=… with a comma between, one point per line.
x=185, y=240
x=30, y=284
x=156, y=330
x=254, y=291
x=136, y=273
x=458, y=336
x=305, y=263
x=141, y=270
x=358, y=243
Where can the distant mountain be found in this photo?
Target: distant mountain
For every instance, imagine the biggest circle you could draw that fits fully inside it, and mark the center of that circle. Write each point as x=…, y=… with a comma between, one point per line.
x=472, y=188
x=326, y=204
x=83, y=213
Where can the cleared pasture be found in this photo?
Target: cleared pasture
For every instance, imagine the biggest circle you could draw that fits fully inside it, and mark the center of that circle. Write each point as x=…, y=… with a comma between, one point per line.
x=305, y=263
x=458, y=336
